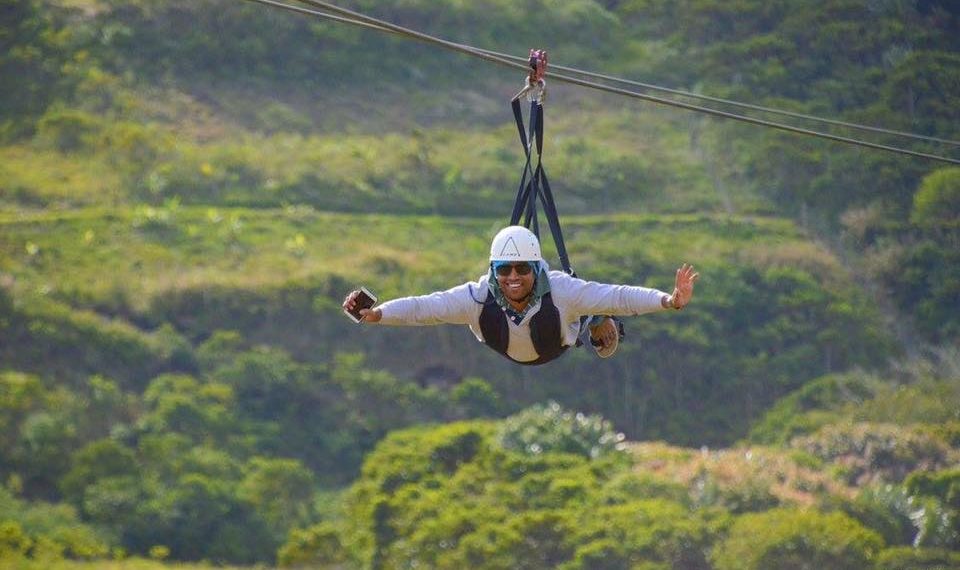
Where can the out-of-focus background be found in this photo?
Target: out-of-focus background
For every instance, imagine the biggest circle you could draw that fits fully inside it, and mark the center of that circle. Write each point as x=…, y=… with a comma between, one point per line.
x=189, y=189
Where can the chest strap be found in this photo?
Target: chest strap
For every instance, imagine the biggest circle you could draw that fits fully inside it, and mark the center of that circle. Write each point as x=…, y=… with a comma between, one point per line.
x=544, y=329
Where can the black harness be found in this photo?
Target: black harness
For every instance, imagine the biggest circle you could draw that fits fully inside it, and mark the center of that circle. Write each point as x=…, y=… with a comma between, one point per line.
x=545, y=326
x=544, y=329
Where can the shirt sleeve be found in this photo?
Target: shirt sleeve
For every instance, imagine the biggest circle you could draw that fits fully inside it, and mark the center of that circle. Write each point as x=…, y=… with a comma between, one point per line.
x=455, y=306
x=592, y=298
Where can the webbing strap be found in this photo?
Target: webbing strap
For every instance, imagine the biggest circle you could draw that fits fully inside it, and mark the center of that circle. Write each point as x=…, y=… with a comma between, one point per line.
x=523, y=192
x=537, y=185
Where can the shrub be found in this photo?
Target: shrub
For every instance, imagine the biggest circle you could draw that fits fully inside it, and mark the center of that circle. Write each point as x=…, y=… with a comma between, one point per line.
x=318, y=545
x=13, y=541
x=550, y=428
x=790, y=539
x=871, y=452
x=887, y=509
x=747, y=492
x=68, y=130
x=808, y=408
x=655, y=531
x=529, y=540
x=938, y=199
x=906, y=518
x=907, y=558
x=476, y=398
x=280, y=491
x=98, y=460
x=926, y=402
x=220, y=349
x=945, y=485
x=603, y=554
x=937, y=526
x=43, y=530
x=630, y=486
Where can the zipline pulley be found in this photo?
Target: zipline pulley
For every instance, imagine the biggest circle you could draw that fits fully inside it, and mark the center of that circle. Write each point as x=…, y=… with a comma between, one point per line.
x=536, y=87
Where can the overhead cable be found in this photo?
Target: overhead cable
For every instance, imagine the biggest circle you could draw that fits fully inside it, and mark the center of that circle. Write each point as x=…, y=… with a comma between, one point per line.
x=739, y=104
x=343, y=15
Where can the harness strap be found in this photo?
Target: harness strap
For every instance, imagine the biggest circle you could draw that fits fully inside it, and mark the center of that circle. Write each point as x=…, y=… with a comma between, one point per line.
x=523, y=191
x=537, y=185
x=545, y=330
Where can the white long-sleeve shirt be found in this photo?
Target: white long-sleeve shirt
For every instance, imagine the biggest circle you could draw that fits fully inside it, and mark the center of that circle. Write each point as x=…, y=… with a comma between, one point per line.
x=573, y=298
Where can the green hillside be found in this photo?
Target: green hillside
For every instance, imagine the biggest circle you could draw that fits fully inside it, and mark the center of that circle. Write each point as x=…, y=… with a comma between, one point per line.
x=188, y=190
x=151, y=286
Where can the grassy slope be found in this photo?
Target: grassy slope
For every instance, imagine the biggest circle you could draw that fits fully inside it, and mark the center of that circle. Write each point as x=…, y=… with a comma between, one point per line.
x=128, y=269
x=87, y=245
x=144, y=251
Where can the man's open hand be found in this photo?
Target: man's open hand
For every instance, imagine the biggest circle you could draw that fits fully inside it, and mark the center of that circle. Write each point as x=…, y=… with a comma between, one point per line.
x=683, y=287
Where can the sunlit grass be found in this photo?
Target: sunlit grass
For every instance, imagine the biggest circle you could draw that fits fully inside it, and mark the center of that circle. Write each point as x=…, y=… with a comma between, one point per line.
x=144, y=251
x=48, y=178
x=595, y=165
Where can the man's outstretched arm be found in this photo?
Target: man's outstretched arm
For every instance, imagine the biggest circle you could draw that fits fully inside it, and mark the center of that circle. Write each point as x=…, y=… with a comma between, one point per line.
x=454, y=306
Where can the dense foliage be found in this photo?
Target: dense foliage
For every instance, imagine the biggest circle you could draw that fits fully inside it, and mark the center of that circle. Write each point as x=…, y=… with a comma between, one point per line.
x=198, y=464
x=188, y=190
x=461, y=495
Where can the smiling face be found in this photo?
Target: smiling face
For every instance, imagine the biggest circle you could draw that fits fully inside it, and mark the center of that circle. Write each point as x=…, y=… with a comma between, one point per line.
x=516, y=287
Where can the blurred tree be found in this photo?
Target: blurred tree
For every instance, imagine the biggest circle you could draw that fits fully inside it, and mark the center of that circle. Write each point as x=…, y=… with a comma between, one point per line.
x=938, y=198
x=98, y=460
x=793, y=540
x=551, y=429
x=220, y=349
x=200, y=517
x=29, y=53
x=42, y=453
x=910, y=558
x=20, y=395
x=317, y=546
x=529, y=540
x=653, y=531
x=476, y=398
x=181, y=404
x=281, y=492
x=13, y=542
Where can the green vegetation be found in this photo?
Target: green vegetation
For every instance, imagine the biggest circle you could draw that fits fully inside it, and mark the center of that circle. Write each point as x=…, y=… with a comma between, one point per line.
x=647, y=504
x=795, y=539
x=169, y=279
x=187, y=190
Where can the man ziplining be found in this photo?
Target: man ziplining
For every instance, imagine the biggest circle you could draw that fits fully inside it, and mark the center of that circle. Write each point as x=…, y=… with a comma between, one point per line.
x=521, y=309
x=526, y=312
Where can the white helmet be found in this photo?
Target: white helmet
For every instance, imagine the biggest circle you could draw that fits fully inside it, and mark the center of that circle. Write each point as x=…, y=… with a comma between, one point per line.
x=515, y=243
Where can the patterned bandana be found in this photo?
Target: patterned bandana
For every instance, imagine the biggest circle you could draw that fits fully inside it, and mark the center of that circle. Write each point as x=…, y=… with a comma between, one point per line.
x=541, y=286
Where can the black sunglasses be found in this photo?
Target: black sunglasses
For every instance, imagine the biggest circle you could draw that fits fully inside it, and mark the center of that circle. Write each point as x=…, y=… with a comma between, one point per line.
x=504, y=269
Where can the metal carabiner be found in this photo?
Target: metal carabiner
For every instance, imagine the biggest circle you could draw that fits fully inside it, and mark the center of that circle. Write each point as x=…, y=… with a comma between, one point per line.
x=535, y=87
